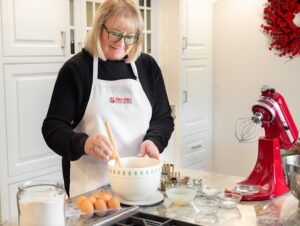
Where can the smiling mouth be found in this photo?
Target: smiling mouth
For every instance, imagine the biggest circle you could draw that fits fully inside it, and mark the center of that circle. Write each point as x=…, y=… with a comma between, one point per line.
x=117, y=49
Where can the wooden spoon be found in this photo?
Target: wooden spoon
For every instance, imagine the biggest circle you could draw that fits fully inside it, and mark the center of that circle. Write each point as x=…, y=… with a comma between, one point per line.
x=115, y=154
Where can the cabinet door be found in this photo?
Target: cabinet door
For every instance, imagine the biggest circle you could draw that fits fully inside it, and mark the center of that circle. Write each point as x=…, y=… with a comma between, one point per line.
x=195, y=28
x=28, y=88
x=196, y=95
x=34, y=27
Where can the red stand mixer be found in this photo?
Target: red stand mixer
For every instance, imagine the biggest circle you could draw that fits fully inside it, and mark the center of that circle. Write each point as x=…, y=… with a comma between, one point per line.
x=272, y=114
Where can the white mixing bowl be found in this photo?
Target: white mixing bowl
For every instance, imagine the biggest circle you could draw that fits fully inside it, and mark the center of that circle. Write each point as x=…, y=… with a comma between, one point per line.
x=137, y=179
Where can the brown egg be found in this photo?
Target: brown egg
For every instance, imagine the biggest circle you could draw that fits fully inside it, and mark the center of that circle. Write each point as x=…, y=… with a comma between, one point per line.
x=104, y=192
x=87, y=208
x=104, y=195
x=80, y=199
x=114, y=203
x=96, y=195
x=100, y=207
x=92, y=199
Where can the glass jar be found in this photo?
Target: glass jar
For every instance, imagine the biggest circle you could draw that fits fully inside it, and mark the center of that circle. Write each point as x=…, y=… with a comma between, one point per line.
x=41, y=203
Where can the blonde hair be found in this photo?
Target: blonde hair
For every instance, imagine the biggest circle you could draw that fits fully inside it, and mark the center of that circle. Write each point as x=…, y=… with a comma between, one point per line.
x=127, y=12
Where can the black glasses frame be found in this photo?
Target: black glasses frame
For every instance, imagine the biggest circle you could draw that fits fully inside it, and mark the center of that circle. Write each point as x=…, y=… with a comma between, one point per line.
x=115, y=36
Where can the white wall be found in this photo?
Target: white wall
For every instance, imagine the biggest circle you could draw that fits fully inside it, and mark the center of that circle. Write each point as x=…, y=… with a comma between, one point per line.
x=0, y=211
x=169, y=35
x=242, y=63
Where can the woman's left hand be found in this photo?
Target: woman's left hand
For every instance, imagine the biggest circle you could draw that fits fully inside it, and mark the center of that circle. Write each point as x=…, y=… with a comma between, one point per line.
x=150, y=149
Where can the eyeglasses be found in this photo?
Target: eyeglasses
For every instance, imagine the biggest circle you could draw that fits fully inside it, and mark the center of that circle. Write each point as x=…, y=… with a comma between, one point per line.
x=114, y=36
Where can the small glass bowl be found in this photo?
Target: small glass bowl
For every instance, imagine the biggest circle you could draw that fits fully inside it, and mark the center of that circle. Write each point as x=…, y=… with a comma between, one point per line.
x=207, y=208
x=229, y=200
x=207, y=205
x=181, y=194
x=209, y=191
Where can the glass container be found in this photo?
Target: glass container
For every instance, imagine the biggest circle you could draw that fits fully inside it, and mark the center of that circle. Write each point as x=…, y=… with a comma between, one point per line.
x=41, y=203
x=207, y=208
x=229, y=200
x=181, y=194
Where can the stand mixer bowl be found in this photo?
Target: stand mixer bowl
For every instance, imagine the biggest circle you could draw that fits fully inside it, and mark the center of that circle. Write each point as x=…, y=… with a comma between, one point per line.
x=291, y=165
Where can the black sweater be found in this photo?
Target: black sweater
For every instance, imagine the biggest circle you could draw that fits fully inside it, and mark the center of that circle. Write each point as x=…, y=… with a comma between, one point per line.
x=71, y=94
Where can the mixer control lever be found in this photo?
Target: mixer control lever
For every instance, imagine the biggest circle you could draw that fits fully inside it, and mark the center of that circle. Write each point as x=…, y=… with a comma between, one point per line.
x=286, y=127
x=267, y=88
x=264, y=88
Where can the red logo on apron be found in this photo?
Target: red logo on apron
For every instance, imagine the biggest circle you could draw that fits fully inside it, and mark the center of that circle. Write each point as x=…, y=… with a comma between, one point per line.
x=120, y=100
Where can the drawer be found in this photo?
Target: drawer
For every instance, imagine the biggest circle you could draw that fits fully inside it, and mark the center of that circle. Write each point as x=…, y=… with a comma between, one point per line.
x=194, y=148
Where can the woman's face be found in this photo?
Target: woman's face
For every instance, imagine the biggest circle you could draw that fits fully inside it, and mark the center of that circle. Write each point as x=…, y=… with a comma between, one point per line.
x=116, y=50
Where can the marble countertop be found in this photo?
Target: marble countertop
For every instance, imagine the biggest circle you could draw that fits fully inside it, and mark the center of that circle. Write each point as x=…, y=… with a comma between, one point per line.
x=282, y=210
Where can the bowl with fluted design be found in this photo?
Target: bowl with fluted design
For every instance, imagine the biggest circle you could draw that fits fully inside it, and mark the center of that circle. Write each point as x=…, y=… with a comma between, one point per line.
x=137, y=179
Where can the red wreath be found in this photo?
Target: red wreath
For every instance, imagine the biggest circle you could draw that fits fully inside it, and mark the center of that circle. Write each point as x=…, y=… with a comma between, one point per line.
x=284, y=34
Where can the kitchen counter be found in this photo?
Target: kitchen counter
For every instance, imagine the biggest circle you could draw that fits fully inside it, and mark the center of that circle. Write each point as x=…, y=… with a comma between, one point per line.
x=282, y=210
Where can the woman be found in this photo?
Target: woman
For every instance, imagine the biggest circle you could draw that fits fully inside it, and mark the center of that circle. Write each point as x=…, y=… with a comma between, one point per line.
x=110, y=80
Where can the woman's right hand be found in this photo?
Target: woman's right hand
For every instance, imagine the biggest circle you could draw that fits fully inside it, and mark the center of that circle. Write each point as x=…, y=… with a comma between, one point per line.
x=98, y=146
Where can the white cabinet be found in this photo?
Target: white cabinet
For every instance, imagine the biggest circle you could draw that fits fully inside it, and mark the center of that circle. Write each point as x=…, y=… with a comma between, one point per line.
x=82, y=13
x=195, y=84
x=196, y=28
x=196, y=90
x=186, y=65
x=34, y=27
x=28, y=88
x=32, y=50
x=27, y=91
x=196, y=113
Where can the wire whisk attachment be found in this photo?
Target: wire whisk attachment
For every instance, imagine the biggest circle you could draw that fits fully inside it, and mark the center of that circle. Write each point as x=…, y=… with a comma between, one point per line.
x=248, y=129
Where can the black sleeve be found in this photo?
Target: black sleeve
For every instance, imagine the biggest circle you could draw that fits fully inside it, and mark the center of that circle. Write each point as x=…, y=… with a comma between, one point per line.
x=162, y=123
x=64, y=114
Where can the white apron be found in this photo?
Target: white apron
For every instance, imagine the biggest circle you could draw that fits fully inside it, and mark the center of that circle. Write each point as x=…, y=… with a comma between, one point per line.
x=124, y=104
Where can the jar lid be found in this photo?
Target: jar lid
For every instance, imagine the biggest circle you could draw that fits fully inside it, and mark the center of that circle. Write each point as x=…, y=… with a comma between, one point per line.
x=42, y=186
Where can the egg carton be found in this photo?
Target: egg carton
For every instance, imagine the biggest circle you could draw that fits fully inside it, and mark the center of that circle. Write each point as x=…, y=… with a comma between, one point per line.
x=74, y=213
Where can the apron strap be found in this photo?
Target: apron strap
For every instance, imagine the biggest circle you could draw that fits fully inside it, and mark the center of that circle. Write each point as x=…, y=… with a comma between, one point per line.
x=135, y=72
x=95, y=69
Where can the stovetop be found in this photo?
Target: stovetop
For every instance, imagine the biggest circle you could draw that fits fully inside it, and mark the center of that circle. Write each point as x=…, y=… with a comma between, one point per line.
x=131, y=216
x=145, y=219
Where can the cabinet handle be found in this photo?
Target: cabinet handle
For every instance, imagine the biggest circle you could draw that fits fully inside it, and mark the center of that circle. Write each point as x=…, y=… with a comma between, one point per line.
x=197, y=146
x=63, y=39
x=185, y=97
x=184, y=42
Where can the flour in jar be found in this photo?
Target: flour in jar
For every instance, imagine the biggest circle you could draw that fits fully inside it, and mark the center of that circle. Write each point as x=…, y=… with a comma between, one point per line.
x=42, y=211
